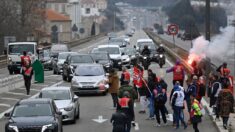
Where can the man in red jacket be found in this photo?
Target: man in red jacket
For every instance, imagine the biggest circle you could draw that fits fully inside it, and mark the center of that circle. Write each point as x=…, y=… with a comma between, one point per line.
x=178, y=73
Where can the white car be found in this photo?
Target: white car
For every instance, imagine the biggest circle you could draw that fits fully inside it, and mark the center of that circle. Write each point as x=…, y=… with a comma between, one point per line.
x=66, y=101
x=143, y=42
x=89, y=79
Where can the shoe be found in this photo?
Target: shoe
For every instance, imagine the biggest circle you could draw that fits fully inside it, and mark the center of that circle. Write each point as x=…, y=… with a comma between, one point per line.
x=165, y=124
x=142, y=112
x=185, y=126
x=225, y=127
x=157, y=125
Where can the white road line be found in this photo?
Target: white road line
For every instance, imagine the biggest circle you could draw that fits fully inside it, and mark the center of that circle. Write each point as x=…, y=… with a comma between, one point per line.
x=14, y=93
x=10, y=99
x=52, y=76
x=5, y=105
x=43, y=85
x=57, y=84
x=137, y=128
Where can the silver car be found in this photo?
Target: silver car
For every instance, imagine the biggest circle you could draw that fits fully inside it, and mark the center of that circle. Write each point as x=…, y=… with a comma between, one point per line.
x=66, y=101
x=89, y=78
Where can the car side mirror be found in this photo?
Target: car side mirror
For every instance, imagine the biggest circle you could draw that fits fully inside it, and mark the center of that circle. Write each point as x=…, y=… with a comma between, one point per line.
x=59, y=113
x=7, y=115
x=75, y=98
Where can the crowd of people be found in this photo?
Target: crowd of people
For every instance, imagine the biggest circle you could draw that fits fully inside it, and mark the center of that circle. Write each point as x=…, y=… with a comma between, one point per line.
x=152, y=91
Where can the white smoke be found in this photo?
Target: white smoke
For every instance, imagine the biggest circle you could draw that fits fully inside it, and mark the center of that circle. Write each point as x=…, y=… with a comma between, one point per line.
x=221, y=46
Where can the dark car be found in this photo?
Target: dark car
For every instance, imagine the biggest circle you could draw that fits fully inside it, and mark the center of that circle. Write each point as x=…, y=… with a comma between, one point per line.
x=189, y=36
x=71, y=63
x=58, y=48
x=34, y=115
x=118, y=41
x=103, y=58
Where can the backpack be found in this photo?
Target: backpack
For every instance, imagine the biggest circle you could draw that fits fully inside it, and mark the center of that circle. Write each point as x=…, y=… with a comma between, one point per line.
x=202, y=90
x=159, y=98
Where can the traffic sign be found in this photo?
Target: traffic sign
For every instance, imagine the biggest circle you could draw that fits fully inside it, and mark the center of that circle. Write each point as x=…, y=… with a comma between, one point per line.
x=173, y=29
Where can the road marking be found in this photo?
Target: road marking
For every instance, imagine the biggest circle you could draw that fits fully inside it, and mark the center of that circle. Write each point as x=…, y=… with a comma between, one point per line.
x=10, y=99
x=52, y=76
x=100, y=119
x=14, y=93
x=33, y=89
x=5, y=105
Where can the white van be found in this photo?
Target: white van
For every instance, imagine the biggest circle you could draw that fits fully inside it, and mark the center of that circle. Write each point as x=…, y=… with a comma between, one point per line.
x=15, y=51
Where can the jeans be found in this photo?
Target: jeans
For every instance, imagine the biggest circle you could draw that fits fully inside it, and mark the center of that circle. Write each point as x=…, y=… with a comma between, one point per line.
x=195, y=127
x=151, y=107
x=179, y=116
x=163, y=113
x=225, y=121
x=115, y=99
x=128, y=126
x=27, y=83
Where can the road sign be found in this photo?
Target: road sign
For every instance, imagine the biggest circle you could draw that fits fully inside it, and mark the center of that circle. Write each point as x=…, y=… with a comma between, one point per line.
x=100, y=119
x=173, y=29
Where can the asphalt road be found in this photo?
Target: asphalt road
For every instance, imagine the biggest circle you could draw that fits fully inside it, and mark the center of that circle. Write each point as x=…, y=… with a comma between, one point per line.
x=93, y=106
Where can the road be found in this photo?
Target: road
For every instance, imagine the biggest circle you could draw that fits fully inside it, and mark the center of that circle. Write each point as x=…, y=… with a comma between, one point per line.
x=93, y=106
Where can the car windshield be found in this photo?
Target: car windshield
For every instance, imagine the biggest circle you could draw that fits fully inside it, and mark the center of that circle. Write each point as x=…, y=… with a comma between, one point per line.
x=63, y=56
x=99, y=56
x=31, y=110
x=81, y=59
x=130, y=51
x=151, y=46
x=89, y=71
x=18, y=49
x=59, y=48
x=110, y=50
x=56, y=94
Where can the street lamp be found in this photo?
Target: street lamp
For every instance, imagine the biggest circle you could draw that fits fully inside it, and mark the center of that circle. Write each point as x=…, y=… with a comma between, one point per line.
x=208, y=20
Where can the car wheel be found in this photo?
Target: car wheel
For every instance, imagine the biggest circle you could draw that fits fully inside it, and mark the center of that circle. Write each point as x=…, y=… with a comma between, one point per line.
x=69, y=79
x=78, y=114
x=54, y=72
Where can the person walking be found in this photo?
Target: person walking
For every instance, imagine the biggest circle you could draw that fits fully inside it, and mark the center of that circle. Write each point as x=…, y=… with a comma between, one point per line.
x=160, y=99
x=125, y=105
x=225, y=104
x=113, y=81
x=125, y=76
x=119, y=121
x=25, y=59
x=178, y=73
x=178, y=106
x=27, y=72
x=195, y=114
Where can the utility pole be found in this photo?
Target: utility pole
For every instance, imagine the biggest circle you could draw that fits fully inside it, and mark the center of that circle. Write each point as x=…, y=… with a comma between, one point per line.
x=114, y=21
x=208, y=20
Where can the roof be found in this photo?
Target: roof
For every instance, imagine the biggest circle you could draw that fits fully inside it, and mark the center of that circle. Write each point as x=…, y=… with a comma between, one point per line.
x=35, y=101
x=55, y=16
x=144, y=40
x=106, y=46
x=56, y=88
x=22, y=43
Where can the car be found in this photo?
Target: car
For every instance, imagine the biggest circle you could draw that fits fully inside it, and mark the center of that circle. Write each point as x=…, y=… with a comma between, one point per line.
x=58, y=62
x=114, y=53
x=94, y=50
x=103, y=58
x=34, y=115
x=89, y=79
x=126, y=60
x=112, y=35
x=71, y=63
x=118, y=41
x=143, y=42
x=132, y=53
x=58, y=48
x=66, y=101
x=45, y=59
x=126, y=38
x=188, y=36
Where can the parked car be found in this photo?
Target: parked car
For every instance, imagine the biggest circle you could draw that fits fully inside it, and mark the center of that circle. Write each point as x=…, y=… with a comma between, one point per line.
x=89, y=78
x=71, y=63
x=65, y=101
x=45, y=59
x=104, y=59
x=118, y=41
x=58, y=62
x=114, y=53
x=34, y=115
x=58, y=48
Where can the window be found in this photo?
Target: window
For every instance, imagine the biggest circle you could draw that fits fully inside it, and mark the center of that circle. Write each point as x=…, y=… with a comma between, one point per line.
x=63, y=8
x=88, y=10
x=56, y=7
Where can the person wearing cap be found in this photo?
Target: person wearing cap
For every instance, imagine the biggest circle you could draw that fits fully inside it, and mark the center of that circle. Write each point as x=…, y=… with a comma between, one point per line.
x=125, y=105
x=125, y=76
x=178, y=73
x=113, y=81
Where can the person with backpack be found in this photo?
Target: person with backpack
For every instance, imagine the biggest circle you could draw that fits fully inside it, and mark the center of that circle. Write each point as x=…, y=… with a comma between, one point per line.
x=195, y=114
x=215, y=90
x=119, y=121
x=160, y=99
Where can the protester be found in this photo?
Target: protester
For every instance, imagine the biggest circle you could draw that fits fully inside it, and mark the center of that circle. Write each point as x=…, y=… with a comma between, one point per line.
x=178, y=106
x=151, y=86
x=138, y=73
x=143, y=91
x=113, y=81
x=27, y=72
x=119, y=121
x=178, y=73
x=125, y=105
x=225, y=104
x=125, y=76
x=162, y=84
x=25, y=59
x=201, y=89
x=160, y=99
x=195, y=114
x=130, y=89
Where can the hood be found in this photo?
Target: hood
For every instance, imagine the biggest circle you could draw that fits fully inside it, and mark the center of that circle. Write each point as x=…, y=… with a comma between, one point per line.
x=31, y=121
x=115, y=56
x=61, y=61
x=62, y=103
x=88, y=79
x=125, y=57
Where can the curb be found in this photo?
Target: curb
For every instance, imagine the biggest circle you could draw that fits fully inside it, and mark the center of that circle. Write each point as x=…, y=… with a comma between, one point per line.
x=11, y=83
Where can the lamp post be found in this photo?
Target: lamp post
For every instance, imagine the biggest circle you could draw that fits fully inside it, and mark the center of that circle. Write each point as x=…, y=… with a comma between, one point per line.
x=208, y=20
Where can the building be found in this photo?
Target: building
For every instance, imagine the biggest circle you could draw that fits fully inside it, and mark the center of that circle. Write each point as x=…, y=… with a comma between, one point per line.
x=101, y=5
x=89, y=8
x=62, y=24
x=59, y=6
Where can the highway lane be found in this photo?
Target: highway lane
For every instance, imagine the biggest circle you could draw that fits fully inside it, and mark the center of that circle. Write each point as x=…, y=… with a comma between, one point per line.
x=93, y=106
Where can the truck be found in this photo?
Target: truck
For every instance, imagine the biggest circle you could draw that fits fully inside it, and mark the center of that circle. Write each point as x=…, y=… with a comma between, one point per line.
x=15, y=51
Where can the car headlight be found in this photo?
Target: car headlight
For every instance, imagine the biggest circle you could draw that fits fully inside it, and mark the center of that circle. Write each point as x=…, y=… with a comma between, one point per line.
x=9, y=58
x=161, y=56
x=13, y=128
x=128, y=59
x=145, y=57
x=46, y=127
x=69, y=108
